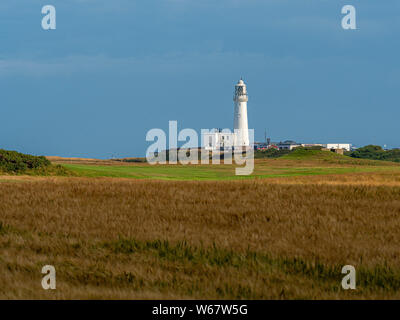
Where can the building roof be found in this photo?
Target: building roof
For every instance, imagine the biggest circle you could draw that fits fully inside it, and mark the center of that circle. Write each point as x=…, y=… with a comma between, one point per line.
x=289, y=142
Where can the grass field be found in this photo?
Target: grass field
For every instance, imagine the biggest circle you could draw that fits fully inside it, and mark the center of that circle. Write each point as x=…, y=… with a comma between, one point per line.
x=138, y=231
x=303, y=163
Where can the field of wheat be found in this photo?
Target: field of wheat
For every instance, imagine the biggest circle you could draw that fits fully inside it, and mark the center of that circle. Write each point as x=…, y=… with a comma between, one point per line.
x=278, y=238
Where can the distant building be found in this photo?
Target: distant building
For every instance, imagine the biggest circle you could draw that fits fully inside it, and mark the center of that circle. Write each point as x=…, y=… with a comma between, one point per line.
x=265, y=146
x=310, y=145
x=338, y=151
x=330, y=146
x=219, y=140
x=344, y=146
x=288, y=145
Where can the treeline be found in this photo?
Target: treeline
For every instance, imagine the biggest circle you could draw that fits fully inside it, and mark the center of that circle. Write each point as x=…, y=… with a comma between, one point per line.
x=18, y=163
x=370, y=152
x=375, y=153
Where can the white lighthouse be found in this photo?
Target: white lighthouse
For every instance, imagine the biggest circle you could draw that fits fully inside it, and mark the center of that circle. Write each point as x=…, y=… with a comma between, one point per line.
x=241, y=126
x=219, y=139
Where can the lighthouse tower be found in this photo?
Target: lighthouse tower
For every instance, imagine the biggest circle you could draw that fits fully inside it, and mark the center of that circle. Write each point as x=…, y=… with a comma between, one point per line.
x=240, y=120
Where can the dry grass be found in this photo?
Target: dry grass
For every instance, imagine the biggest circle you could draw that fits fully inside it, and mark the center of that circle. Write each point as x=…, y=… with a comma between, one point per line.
x=388, y=179
x=254, y=239
x=91, y=161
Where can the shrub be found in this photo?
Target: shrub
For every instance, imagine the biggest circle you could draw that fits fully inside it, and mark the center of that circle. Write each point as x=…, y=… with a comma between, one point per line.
x=270, y=153
x=15, y=162
x=376, y=153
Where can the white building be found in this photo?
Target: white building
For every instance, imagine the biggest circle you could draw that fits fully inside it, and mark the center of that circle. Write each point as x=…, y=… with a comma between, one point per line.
x=310, y=145
x=217, y=139
x=290, y=145
x=344, y=146
x=225, y=139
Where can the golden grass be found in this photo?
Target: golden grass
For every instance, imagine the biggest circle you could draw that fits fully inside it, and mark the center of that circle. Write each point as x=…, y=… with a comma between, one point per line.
x=92, y=161
x=388, y=179
x=251, y=239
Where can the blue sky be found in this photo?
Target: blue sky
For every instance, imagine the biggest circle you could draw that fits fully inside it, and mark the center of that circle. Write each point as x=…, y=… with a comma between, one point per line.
x=112, y=70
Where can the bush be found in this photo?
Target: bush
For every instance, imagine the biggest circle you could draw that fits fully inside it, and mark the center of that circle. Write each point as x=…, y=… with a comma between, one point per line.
x=15, y=162
x=270, y=153
x=376, y=153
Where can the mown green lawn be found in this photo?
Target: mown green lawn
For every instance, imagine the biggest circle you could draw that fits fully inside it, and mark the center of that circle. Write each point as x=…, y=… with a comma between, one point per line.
x=211, y=172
